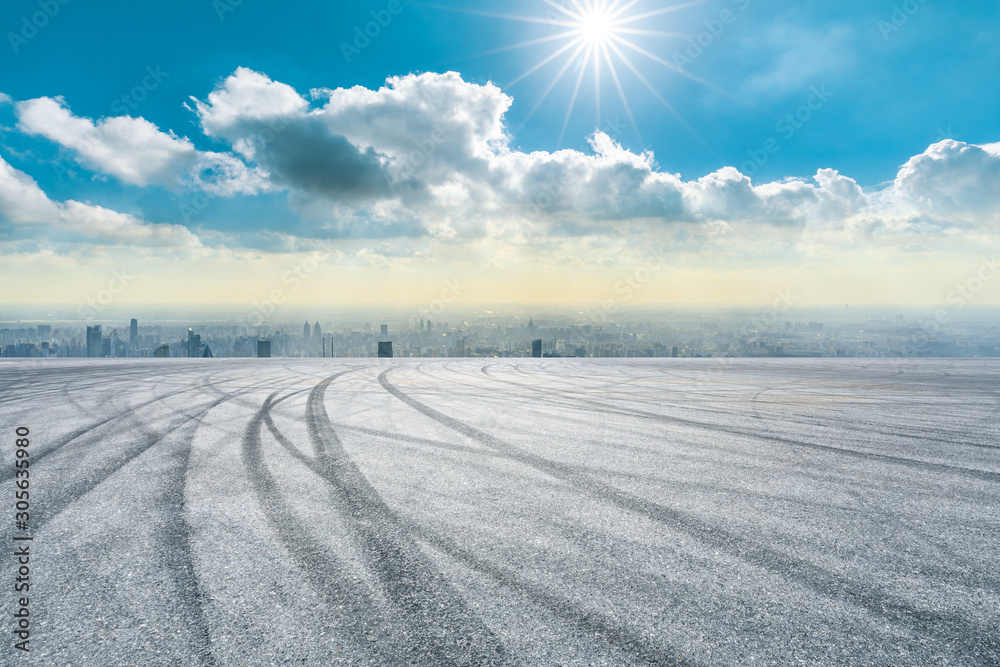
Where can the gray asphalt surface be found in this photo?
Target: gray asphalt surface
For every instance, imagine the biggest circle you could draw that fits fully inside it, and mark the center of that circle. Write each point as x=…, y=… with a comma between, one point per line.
x=677, y=512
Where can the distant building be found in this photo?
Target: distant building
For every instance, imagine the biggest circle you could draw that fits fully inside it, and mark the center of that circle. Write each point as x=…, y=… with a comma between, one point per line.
x=317, y=331
x=193, y=344
x=95, y=342
x=536, y=348
x=44, y=330
x=385, y=349
x=263, y=349
x=307, y=331
x=207, y=354
x=675, y=352
x=162, y=352
x=384, y=331
x=133, y=333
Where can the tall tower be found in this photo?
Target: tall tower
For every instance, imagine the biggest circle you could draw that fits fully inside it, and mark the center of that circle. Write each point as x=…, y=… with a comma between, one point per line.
x=306, y=331
x=317, y=331
x=194, y=344
x=95, y=342
x=133, y=333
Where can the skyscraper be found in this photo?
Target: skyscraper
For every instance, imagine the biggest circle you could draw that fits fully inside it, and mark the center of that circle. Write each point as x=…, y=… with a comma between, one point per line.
x=317, y=331
x=306, y=331
x=384, y=331
x=385, y=349
x=194, y=344
x=263, y=349
x=133, y=334
x=536, y=348
x=95, y=342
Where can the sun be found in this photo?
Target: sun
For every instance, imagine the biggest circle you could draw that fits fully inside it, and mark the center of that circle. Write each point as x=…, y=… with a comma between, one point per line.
x=597, y=27
x=598, y=38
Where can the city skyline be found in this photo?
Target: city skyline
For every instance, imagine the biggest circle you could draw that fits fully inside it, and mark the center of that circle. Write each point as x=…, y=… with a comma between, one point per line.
x=783, y=330
x=693, y=153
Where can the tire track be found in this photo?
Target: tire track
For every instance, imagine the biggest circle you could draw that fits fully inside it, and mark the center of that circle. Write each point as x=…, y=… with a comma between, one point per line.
x=829, y=585
x=128, y=413
x=615, y=633
x=73, y=491
x=985, y=475
x=356, y=611
x=176, y=550
x=441, y=623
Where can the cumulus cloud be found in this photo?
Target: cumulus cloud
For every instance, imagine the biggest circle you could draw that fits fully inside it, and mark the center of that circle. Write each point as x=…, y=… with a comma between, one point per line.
x=22, y=202
x=244, y=101
x=135, y=151
x=437, y=146
x=429, y=155
x=952, y=178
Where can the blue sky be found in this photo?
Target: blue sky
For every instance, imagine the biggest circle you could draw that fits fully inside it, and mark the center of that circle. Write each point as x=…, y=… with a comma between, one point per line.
x=886, y=81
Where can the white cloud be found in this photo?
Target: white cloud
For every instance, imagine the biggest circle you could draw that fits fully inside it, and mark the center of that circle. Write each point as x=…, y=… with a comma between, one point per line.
x=135, y=151
x=952, y=178
x=22, y=202
x=246, y=97
x=429, y=155
x=437, y=146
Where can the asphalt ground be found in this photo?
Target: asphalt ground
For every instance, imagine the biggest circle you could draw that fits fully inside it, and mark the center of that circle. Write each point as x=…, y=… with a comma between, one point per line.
x=526, y=512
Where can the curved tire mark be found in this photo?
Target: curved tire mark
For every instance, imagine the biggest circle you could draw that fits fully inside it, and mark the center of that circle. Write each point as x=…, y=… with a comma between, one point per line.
x=814, y=577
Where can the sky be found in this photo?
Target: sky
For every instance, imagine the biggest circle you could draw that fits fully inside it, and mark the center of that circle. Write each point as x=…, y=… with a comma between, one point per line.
x=567, y=151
